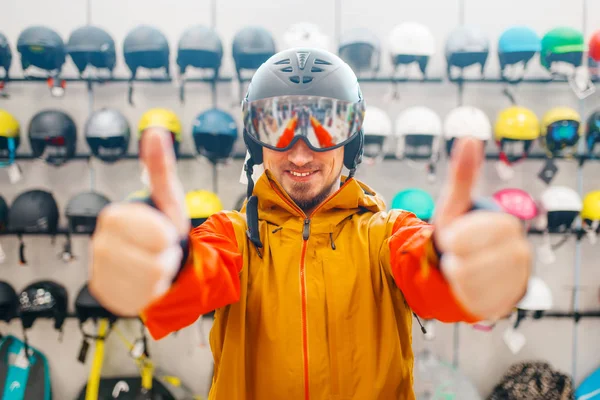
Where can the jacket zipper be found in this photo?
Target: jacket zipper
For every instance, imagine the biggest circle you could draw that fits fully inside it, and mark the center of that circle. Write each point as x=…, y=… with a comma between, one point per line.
x=303, y=295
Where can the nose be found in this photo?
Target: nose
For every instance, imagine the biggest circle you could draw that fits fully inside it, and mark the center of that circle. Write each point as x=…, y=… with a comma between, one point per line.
x=300, y=154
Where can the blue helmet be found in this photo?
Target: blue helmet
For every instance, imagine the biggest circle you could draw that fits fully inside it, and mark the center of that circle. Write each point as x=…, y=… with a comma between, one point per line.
x=91, y=45
x=467, y=45
x=214, y=132
x=516, y=45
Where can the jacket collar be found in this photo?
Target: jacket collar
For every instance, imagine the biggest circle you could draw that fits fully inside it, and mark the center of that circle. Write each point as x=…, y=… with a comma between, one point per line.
x=276, y=207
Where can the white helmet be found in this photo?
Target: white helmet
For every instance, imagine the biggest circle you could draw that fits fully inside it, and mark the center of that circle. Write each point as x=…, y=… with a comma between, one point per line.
x=377, y=126
x=466, y=121
x=538, y=296
x=417, y=121
x=305, y=34
x=561, y=198
x=412, y=39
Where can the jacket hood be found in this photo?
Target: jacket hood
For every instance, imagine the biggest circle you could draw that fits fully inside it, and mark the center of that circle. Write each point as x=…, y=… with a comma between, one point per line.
x=276, y=207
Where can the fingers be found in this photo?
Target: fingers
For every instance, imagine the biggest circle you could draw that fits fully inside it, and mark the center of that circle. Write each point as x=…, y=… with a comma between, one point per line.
x=136, y=224
x=167, y=192
x=490, y=228
x=465, y=164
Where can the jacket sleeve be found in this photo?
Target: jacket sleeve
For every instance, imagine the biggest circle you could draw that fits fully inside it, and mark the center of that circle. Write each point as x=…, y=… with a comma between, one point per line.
x=209, y=279
x=414, y=264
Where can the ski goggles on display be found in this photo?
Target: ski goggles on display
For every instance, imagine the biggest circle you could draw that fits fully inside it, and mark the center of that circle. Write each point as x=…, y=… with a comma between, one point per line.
x=323, y=123
x=566, y=131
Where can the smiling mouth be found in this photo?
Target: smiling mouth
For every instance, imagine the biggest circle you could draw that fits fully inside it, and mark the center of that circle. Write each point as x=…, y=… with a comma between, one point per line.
x=301, y=174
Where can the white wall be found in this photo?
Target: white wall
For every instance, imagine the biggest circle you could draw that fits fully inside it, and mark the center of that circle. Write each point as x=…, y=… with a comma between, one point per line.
x=483, y=357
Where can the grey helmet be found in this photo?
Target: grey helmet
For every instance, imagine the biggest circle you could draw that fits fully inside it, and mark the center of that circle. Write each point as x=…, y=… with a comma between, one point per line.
x=107, y=133
x=145, y=47
x=83, y=209
x=251, y=47
x=199, y=47
x=300, y=72
x=467, y=45
x=361, y=49
x=91, y=45
x=43, y=48
x=5, y=59
x=56, y=131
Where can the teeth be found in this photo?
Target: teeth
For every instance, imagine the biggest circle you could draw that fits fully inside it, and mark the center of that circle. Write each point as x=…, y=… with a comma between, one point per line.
x=299, y=173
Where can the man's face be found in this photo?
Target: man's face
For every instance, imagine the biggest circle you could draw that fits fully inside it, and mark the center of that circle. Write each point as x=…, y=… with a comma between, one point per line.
x=308, y=177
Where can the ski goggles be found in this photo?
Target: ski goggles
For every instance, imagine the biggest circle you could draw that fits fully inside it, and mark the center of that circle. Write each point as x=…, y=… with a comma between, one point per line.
x=323, y=123
x=566, y=131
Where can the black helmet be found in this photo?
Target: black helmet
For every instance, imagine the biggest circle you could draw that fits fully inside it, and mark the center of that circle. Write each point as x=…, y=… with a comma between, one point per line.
x=34, y=211
x=8, y=302
x=43, y=48
x=54, y=130
x=3, y=214
x=199, y=47
x=91, y=45
x=5, y=59
x=145, y=47
x=87, y=307
x=43, y=299
x=107, y=133
x=214, y=132
x=316, y=96
x=83, y=210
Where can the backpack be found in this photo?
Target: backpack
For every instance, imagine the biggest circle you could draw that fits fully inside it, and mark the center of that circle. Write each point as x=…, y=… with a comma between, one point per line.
x=21, y=379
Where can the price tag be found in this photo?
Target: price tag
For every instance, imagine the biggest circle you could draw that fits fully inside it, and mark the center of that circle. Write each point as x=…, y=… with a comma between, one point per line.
x=138, y=349
x=546, y=254
x=85, y=346
x=514, y=340
x=548, y=172
x=14, y=173
x=505, y=171
x=145, y=178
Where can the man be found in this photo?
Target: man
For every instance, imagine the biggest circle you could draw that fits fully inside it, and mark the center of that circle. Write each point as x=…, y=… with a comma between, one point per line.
x=313, y=282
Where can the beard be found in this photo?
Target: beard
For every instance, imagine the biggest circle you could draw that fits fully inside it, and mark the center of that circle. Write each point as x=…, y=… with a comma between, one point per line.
x=309, y=203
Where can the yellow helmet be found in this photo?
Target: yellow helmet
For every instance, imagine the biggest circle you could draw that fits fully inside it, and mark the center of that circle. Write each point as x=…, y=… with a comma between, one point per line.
x=561, y=127
x=557, y=114
x=162, y=118
x=9, y=126
x=517, y=123
x=591, y=206
x=201, y=204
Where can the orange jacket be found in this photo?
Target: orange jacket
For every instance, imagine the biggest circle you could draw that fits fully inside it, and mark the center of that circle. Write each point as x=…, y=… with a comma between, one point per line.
x=325, y=313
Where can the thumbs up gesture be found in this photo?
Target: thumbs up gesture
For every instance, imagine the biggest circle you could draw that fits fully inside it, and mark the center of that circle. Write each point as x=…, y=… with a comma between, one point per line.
x=486, y=256
x=135, y=250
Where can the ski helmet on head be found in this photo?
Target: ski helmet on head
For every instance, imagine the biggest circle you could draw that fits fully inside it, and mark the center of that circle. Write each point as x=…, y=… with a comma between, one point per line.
x=466, y=45
x=560, y=129
x=517, y=46
x=466, y=121
x=377, y=128
x=164, y=119
x=3, y=214
x=214, y=132
x=9, y=302
x=251, y=47
x=91, y=45
x=5, y=59
x=419, y=130
x=107, y=134
x=305, y=34
x=516, y=125
x=201, y=204
x=562, y=44
x=411, y=42
x=43, y=299
x=53, y=132
x=301, y=94
x=592, y=133
x=145, y=47
x=83, y=209
x=10, y=138
x=199, y=47
x=416, y=201
x=42, y=47
x=361, y=49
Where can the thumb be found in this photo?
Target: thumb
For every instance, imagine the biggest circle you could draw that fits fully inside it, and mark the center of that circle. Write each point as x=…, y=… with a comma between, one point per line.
x=166, y=189
x=465, y=164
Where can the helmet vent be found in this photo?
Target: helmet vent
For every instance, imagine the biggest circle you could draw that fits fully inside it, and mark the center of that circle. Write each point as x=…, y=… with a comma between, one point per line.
x=295, y=79
x=285, y=61
x=307, y=79
x=316, y=69
x=321, y=62
x=287, y=69
x=302, y=57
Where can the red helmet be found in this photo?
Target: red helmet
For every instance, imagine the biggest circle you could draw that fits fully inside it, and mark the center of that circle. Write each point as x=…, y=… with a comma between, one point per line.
x=594, y=47
x=517, y=202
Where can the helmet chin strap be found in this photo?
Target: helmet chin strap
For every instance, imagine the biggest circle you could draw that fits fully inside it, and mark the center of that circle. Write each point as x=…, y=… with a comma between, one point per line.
x=252, y=210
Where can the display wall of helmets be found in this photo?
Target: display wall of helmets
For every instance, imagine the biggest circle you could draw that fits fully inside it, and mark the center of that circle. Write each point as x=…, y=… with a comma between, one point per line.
x=418, y=133
x=43, y=52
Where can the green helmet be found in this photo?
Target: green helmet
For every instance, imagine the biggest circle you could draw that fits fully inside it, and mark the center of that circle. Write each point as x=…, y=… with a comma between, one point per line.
x=562, y=44
x=416, y=201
